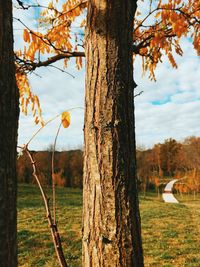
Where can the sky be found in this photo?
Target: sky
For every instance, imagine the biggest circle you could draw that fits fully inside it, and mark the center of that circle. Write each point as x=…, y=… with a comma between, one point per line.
x=167, y=108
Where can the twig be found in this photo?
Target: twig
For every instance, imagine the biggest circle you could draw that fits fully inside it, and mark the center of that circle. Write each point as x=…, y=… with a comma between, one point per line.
x=33, y=136
x=53, y=226
x=21, y=4
x=53, y=175
x=41, y=128
x=64, y=71
x=139, y=93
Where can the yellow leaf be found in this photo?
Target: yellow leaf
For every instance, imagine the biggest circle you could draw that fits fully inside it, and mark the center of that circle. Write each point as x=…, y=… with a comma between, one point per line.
x=34, y=113
x=65, y=119
x=27, y=102
x=36, y=120
x=83, y=23
x=50, y=6
x=22, y=102
x=158, y=14
x=26, y=36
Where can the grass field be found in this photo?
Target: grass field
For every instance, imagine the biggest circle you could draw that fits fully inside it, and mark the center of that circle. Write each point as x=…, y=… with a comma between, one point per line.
x=171, y=232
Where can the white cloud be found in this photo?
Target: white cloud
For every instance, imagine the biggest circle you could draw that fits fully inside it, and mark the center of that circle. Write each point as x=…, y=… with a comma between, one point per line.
x=178, y=90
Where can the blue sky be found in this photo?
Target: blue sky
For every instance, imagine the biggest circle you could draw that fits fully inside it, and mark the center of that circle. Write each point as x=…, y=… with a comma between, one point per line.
x=169, y=107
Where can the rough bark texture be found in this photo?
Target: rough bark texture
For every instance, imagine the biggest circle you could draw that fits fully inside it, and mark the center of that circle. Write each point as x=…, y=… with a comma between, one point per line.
x=111, y=220
x=8, y=138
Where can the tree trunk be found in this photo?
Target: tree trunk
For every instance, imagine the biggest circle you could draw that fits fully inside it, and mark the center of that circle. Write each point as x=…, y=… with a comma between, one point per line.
x=9, y=110
x=111, y=220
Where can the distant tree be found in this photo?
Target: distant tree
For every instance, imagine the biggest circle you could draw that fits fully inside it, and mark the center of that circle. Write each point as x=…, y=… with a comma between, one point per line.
x=192, y=157
x=170, y=158
x=64, y=165
x=76, y=167
x=145, y=169
x=9, y=111
x=43, y=159
x=156, y=154
x=192, y=150
x=170, y=153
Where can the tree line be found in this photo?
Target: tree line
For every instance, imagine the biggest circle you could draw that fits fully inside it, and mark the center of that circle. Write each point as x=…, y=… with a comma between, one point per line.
x=171, y=159
x=155, y=166
x=68, y=168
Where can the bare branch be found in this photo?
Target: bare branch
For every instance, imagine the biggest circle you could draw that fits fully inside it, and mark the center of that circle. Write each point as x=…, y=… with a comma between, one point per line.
x=64, y=71
x=52, y=225
x=139, y=93
x=28, y=6
x=21, y=4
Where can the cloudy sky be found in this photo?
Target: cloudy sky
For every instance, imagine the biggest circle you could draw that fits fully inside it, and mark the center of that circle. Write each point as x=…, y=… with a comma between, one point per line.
x=169, y=107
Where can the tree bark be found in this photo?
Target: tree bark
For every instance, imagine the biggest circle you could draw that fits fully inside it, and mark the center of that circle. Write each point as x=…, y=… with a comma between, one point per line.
x=111, y=219
x=9, y=110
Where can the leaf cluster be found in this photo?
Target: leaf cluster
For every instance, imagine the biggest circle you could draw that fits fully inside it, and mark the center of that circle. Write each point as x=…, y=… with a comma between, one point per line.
x=159, y=33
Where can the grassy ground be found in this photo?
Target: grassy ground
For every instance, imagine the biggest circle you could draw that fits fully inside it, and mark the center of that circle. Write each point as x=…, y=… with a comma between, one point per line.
x=171, y=232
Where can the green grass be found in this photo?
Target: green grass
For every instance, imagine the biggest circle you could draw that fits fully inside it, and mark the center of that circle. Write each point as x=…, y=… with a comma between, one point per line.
x=34, y=240
x=171, y=232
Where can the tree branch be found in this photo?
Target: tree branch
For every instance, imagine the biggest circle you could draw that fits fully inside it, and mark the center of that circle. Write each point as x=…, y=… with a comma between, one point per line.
x=21, y=4
x=27, y=6
x=139, y=93
x=27, y=65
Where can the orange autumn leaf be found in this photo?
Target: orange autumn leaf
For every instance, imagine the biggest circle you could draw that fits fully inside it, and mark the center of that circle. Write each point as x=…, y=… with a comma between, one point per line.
x=172, y=60
x=27, y=98
x=158, y=14
x=65, y=119
x=143, y=51
x=26, y=36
